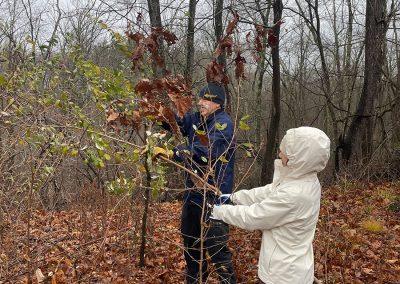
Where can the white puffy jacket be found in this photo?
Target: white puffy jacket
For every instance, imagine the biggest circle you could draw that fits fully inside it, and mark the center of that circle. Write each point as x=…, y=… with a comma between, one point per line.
x=287, y=210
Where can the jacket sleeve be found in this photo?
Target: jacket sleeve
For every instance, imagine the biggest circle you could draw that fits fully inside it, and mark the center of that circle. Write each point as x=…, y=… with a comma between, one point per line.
x=184, y=124
x=248, y=197
x=272, y=212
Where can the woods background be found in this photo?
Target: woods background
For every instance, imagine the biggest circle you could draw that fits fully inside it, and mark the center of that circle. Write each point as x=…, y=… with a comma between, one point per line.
x=74, y=135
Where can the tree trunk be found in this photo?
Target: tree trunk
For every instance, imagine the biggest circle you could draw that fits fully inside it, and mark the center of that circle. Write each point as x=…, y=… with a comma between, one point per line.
x=261, y=68
x=155, y=22
x=142, y=260
x=219, y=31
x=396, y=94
x=270, y=148
x=361, y=127
x=190, y=42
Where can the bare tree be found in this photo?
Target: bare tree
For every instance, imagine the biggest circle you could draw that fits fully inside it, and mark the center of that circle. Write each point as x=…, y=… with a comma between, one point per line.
x=361, y=127
x=219, y=30
x=270, y=148
x=190, y=41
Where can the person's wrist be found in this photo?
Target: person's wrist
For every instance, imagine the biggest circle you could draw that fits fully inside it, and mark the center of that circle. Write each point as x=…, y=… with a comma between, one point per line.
x=224, y=199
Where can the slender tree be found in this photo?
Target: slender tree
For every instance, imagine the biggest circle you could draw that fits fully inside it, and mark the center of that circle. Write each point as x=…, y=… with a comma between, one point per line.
x=219, y=31
x=270, y=148
x=190, y=41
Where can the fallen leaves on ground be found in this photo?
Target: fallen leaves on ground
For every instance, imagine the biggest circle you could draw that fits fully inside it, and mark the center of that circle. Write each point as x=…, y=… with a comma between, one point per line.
x=94, y=245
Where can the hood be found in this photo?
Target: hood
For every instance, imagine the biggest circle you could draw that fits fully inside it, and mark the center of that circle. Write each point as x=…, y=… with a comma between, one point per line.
x=308, y=150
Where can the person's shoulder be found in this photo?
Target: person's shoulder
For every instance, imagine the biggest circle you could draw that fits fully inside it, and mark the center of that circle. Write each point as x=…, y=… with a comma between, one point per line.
x=297, y=191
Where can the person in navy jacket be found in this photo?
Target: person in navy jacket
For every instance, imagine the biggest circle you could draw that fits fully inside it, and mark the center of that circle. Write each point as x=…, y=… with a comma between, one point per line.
x=209, y=153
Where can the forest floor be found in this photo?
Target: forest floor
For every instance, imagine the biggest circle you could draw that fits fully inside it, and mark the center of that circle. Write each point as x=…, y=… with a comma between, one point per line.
x=357, y=241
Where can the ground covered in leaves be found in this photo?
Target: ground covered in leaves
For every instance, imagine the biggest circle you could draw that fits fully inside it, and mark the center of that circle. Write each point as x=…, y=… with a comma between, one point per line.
x=357, y=241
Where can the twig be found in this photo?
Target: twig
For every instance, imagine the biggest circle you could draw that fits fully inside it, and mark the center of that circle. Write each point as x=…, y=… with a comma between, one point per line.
x=206, y=184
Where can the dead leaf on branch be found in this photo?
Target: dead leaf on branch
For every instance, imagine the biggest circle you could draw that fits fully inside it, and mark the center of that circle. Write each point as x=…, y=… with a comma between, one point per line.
x=176, y=85
x=239, y=62
x=144, y=86
x=112, y=115
x=215, y=73
x=160, y=113
x=273, y=39
x=203, y=138
x=261, y=32
x=168, y=36
x=137, y=56
x=233, y=23
x=225, y=45
x=150, y=43
x=182, y=103
x=136, y=37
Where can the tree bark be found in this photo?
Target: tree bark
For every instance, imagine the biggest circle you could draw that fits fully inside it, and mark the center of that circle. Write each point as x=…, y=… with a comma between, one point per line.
x=396, y=94
x=155, y=22
x=219, y=31
x=261, y=68
x=190, y=42
x=361, y=127
x=142, y=259
x=271, y=145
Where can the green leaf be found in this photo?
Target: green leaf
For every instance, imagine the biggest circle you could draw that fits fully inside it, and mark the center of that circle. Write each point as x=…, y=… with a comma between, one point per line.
x=3, y=81
x=244, y=126
x=107, y=157
x=242, y=123
x=200, y=132
x=204, y=159
x=48, y=170
x=118, y=157
x=248, y=145
x=98, y=162
x=220, y=126
x=74, y=153
x=64, y=149
x=245, y=118
x=223, y=159
x=136, y=155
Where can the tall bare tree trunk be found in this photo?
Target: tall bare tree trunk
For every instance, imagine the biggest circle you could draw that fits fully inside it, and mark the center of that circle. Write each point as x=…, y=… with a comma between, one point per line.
x=155, y=22
x=396, y=93
x=219, y=32
x=261, y=68
x=270, y=148
x=361, y=127
x=190, y=42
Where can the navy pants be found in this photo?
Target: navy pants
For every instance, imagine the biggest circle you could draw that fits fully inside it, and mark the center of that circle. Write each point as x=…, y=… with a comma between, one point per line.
x=216, y=234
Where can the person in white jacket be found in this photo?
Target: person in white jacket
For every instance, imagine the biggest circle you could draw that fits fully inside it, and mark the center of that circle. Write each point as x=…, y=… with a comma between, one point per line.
x=287, y=210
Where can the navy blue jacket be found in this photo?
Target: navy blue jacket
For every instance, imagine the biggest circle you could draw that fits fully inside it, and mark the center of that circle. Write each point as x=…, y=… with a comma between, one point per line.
x=211, y=140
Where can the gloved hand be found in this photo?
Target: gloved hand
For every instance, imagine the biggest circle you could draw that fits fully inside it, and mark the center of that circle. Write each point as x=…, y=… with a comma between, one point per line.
x=180, y=152
x=212, y=216
x=224, y=199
